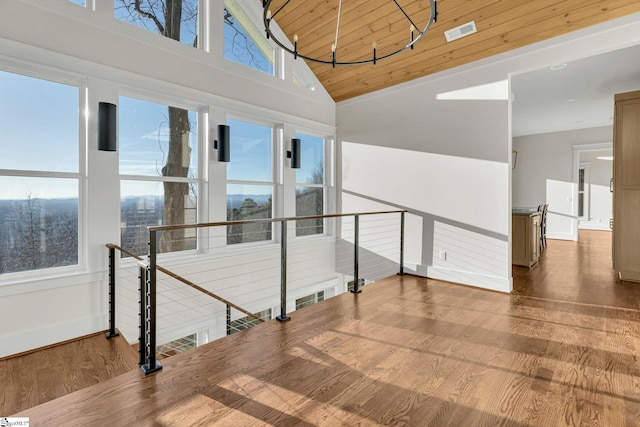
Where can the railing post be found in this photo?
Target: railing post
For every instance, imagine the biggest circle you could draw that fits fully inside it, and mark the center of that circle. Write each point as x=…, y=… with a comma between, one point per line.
x=356, y=256
x=151, y=364
x=142, y=339
x=283, y=273
x=401, y=272
x=228, y=319
x=113, y=332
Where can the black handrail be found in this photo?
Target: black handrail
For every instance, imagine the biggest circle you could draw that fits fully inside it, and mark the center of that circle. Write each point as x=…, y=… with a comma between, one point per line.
x=262, y=220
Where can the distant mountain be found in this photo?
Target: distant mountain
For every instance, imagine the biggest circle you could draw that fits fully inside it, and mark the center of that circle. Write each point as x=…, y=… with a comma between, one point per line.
x=54, y=206
x=49, y=206
x=234, y=201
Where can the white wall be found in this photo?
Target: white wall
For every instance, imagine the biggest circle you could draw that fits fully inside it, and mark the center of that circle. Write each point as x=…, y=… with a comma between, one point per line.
x=107, y=57
x=544, y=174
x=443, y=142
x=413, y=180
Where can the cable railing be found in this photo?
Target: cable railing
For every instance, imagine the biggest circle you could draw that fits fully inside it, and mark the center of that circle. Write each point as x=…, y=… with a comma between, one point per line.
x=300, y=261
x=147, y=334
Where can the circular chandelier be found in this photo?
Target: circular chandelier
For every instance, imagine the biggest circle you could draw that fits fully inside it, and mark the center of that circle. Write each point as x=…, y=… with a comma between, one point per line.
x=333, y=56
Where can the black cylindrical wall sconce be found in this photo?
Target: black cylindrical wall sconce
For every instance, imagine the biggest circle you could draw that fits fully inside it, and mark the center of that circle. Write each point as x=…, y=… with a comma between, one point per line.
x=294, y=154
x=222, y=143
x=107, y=126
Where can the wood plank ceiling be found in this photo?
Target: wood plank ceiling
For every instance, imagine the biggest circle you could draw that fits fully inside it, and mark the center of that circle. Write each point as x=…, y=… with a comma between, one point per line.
x=502, y=25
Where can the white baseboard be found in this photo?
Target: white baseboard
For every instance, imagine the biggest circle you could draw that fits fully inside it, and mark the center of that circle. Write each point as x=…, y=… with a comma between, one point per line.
x=599, y=227
x=52, y=334
x=562, y=236
x=494, y=283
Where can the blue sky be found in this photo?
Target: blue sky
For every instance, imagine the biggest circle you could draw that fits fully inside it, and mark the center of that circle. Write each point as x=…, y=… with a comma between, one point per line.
x=312, y=155
x=39, y=130
x=39, y=124
x=144, y=137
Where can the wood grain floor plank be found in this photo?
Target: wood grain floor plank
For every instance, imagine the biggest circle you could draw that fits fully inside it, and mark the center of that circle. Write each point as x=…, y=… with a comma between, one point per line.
x=43, y=375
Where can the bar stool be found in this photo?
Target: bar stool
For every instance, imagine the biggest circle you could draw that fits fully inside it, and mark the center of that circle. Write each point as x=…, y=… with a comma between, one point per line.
x=543, y=225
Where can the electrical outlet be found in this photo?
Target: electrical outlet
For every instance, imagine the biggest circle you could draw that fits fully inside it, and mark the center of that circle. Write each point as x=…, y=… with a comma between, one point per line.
x=443, y=255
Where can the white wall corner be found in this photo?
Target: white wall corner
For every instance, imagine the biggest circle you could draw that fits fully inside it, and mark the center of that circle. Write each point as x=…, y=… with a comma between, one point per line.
x=422, y=270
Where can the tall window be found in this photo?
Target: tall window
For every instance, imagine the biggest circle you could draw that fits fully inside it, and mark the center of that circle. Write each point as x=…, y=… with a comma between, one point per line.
x=178, y=22
x=244, y=42
x=583, y=191
x=310, y=185
x=159, y=174
x=39, y=173
x=250, y=181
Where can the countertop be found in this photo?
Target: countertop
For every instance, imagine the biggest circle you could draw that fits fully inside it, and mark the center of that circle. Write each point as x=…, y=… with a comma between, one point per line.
x=525, y=211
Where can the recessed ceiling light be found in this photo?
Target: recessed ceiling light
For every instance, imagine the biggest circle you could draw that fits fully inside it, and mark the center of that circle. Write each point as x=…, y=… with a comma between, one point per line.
x=570, y=100
x=558, y=67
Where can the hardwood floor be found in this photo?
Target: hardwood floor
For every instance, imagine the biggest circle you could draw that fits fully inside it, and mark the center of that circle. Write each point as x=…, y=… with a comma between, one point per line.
x=42, y=375
x=559, y=351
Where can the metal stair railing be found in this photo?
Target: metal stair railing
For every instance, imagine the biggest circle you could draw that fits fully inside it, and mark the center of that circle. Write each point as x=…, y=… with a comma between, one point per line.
x=146, y=345
x=149, y=269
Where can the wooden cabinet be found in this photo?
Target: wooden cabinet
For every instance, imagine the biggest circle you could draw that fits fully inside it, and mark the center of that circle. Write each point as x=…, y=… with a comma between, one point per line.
x=626, y=186
x=525, y=238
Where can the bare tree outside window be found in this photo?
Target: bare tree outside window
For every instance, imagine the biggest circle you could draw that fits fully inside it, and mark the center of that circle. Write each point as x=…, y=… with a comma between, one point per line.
x=39, y=173
x=177, y=20
x=39, y=234
x=240, y=47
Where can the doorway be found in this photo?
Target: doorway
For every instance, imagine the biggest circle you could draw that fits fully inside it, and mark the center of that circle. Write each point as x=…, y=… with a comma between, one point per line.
x=593, y=170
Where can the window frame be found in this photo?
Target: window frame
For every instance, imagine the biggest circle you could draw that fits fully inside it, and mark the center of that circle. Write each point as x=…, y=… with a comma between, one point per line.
x=70, y=79
x=274, y=171
x=247, y=17
x=310, y=299
x=326, y=174
x=201, y=111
